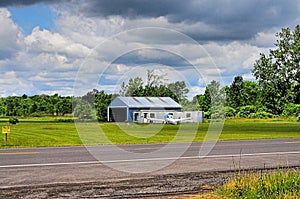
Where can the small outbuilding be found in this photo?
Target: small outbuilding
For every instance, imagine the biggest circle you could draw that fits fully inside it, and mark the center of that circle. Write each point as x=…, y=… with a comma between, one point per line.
x=123, y=109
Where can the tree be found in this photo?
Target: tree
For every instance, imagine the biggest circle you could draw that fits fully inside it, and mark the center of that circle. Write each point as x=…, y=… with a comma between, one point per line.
x=211, y=97
x=188, y=105
x=83, y=109
x=134, y=84
x=235, y=97
x=2, y=107
x=90, y=96
x=278, y=74
x=101, y=103
x=154, y=79
x=153, y=88
x=64, y=105
x=12, y=106
x=123, y=89
x=155, y=91
x=242, y=93
x=180, y=90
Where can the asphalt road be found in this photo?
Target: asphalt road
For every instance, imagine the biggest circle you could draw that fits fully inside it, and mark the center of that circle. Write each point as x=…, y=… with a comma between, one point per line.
x=32, y=166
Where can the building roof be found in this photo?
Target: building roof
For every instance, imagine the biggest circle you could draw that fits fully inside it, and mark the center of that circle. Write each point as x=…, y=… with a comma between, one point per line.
x=145, y=102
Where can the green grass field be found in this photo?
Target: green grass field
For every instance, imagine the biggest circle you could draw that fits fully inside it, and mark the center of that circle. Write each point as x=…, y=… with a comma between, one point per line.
x=38, y=132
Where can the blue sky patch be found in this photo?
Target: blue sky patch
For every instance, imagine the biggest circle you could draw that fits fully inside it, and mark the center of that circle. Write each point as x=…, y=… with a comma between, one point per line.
x=28, y=17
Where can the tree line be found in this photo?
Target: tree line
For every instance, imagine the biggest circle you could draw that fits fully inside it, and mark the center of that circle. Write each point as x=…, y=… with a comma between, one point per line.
x=275, y=93
x=93, y=105
x=243, y=99
x=35, y=105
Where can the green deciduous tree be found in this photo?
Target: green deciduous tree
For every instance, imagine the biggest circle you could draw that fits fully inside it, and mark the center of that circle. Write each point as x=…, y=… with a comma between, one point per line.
x=63, y=106
x=102, y=101
x=83, y=109
x=242, y=93
x=134, y=84
x=36, y=105
x=235, y=93
x=213, y=99
x=180, y=89
x=278, y=73
x=154, y=87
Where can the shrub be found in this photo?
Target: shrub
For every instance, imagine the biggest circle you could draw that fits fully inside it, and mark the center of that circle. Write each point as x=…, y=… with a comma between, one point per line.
x=263, y=115
x=13, y=120
x=291, y=110
x=230, y=112
x=65, y=120
x=218, y=113
x=207, y=114
x=247, y=111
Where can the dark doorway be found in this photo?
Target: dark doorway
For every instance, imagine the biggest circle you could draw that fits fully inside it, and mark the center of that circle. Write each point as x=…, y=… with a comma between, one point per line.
x=117, y=114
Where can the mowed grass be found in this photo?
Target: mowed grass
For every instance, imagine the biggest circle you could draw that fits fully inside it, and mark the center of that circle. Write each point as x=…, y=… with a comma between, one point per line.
x=255, y=129
x=38, y=133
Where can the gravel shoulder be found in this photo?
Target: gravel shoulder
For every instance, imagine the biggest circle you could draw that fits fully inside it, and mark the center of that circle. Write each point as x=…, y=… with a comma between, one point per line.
x=163, y=186
x=150, y=187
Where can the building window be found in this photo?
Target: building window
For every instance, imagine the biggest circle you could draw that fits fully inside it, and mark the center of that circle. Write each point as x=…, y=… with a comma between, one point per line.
x=152, y=115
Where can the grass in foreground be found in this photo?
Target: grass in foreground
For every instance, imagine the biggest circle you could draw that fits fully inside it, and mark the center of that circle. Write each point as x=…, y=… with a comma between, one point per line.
x=51, y=132
x=277, y=184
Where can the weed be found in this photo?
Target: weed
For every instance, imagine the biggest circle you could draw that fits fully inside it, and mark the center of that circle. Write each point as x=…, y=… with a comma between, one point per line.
x=277, y=184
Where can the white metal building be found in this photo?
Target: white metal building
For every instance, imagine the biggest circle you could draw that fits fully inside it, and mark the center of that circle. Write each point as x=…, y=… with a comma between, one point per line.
x=141, y=109
x=122, y=108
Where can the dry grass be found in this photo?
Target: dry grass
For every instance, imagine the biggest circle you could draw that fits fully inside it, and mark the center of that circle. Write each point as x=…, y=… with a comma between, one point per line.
x=277, y=184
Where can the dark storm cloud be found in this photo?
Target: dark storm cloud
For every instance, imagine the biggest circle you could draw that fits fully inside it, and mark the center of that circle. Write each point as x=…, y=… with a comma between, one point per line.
x=5, y=3
x=150, y=56
x=210, y=11
x=228, y=19
x=225, y=19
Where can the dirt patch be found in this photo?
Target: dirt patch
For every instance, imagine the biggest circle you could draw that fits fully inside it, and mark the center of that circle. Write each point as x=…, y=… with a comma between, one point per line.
x=156, y=186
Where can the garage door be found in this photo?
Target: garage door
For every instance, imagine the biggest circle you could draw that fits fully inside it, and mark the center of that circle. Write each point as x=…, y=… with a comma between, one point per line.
x=117, y=114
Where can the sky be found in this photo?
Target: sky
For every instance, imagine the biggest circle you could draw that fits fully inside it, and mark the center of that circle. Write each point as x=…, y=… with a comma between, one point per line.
x=70, y=47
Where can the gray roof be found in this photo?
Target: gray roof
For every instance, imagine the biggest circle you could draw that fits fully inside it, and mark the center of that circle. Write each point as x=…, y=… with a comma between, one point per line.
x=145, y=102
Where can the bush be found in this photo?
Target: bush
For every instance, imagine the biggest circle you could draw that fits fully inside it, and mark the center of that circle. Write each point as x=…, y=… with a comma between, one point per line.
x=13, y=120
x=207, y=114
x=230, y=112
x=65, y=120
x=247, y=111
x=218, y=113
x=291, y=110
x=263, y=115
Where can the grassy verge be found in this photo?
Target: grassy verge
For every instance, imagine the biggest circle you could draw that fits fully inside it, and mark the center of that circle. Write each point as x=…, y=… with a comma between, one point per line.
x=37, y=132
x=278, y=184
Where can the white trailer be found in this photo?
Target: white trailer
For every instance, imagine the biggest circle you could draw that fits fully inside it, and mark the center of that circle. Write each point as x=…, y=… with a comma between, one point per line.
x=157, y=116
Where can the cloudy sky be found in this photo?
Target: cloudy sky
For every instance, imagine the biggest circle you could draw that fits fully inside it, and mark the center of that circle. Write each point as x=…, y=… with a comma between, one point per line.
x=72, y=46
